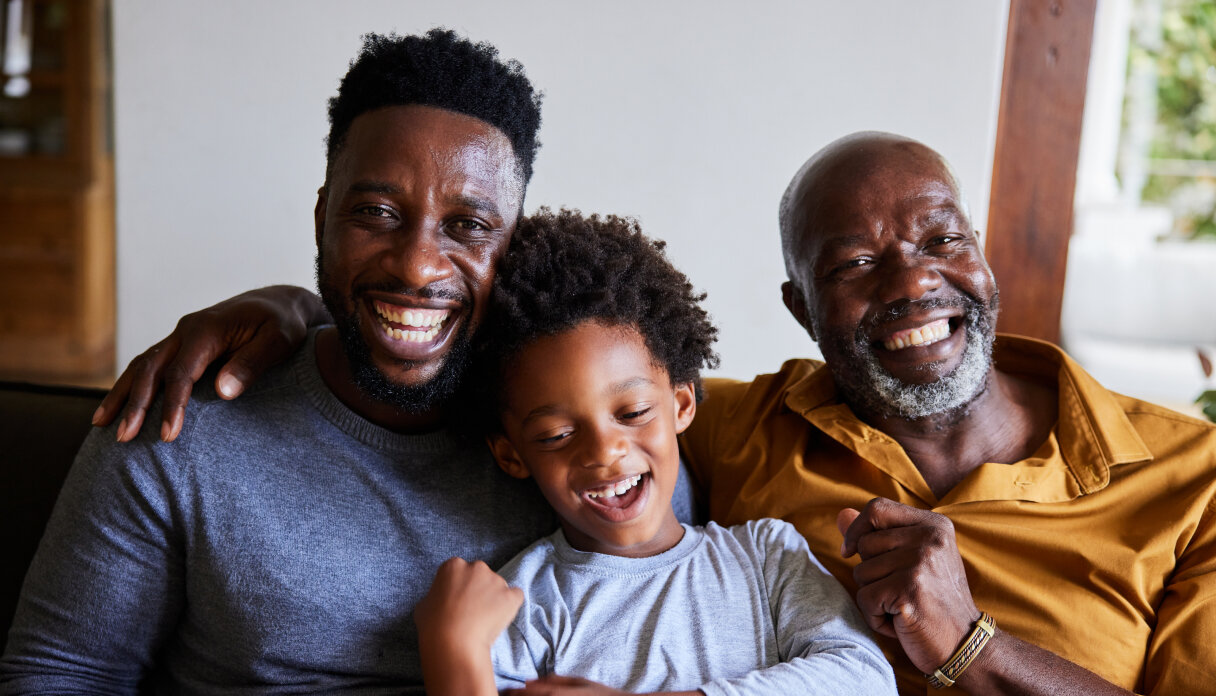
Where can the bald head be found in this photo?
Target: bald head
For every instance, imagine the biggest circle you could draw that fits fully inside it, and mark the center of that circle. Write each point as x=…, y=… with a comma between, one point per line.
x=886, y=273
x=849, y=167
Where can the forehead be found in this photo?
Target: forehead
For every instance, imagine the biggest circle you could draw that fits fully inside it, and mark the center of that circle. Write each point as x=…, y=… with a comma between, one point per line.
x=422, y=146
x=587, y=359
x=871, y=192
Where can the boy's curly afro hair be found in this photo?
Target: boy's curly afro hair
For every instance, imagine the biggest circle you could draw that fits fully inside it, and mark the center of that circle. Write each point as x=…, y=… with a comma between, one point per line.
x=443, y=70
x=563, y=268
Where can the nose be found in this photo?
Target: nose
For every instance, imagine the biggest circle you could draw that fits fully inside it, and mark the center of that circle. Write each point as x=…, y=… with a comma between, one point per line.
x=604, y=446
x=417, y=256
x=907, y=277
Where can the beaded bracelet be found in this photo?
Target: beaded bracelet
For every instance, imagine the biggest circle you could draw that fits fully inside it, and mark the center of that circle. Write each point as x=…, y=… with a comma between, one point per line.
x=949, y=673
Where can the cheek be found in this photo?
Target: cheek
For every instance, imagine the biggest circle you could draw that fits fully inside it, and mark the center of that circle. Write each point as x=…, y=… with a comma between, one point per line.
x=980, y=280
x=837, y=310
x=478, y=266
x=342, y=250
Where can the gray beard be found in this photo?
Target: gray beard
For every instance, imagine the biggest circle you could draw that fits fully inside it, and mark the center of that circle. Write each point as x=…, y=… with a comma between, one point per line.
x=869, y=388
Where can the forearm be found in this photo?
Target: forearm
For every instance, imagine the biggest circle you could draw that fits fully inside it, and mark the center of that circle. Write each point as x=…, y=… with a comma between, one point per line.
x=1009, y=666
x=307, y=306
x=451, y=669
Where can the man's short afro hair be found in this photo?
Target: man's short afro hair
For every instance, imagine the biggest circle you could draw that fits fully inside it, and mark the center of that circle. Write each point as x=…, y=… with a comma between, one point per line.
x=563, y=269
x=443, y=70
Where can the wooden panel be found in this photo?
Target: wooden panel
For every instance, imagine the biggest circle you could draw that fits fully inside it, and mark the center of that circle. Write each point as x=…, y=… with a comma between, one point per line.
x=1035, y=166
x=57, y=218
x=39, y=226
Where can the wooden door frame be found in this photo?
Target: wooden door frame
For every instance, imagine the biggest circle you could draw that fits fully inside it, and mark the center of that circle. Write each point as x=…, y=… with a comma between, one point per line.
x=1034, y=169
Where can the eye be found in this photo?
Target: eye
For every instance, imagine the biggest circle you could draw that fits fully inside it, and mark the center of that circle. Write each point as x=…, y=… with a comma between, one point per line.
x=635, y=415
x=469, y=229
x=377, y=211
x=852, y=265
x=944, y=240
x=554, y=438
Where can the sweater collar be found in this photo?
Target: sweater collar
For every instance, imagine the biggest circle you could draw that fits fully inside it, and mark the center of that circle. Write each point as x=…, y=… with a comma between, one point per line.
x=308, y=377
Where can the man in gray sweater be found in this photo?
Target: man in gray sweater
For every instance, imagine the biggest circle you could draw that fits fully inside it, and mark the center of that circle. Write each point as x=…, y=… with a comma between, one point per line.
x=281, y=541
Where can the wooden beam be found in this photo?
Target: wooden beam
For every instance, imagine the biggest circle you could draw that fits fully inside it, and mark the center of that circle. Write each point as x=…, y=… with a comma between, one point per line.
x=1034, y=171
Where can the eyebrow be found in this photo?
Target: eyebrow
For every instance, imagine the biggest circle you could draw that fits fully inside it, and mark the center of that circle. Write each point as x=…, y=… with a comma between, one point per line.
x=369, y=186
x=478, y=203
x=628, y=384
x=618, y=388
x=847, y=241
x=941, y=212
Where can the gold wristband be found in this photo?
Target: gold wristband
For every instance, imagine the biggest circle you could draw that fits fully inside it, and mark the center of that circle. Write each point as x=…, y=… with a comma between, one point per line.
x=949, y=673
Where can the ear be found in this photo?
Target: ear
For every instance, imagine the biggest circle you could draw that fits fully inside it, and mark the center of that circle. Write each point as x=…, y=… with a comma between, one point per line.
x=686, y=406
x=794, y=302
x=318, y=214
x=506, y=456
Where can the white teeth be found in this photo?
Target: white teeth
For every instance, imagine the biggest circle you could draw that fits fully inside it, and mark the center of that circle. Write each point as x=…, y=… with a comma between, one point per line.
x=928, y=334
x=616, y=489
x=410, y=336
x=428, y=320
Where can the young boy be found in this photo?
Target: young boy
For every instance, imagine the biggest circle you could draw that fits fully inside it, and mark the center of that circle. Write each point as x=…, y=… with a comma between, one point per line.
x=593, y=358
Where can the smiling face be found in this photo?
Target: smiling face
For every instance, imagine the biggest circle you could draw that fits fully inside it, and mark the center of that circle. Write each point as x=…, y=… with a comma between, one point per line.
x=888, y=276
x=418, y=209
x=591, y=416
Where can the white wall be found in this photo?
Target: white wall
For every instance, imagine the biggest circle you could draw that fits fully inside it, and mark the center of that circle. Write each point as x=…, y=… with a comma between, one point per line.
x=691, y=115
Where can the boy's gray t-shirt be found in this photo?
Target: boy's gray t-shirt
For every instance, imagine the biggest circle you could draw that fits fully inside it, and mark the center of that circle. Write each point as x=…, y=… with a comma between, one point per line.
x=728, y=610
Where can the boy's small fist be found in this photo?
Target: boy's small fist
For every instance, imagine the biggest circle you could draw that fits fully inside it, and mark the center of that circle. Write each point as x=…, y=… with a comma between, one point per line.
x=468, y=603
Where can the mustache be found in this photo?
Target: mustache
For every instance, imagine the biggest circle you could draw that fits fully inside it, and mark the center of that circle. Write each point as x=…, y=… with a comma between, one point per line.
x=427, y=292
x=963, y=301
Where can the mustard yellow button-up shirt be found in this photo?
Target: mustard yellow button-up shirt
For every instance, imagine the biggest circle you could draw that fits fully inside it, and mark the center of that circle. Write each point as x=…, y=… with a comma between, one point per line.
x=1100, y=548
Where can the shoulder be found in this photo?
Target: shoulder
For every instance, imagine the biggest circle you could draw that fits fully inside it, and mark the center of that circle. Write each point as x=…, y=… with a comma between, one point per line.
x=1151, y=420
x=533, y=564
x=1182, y=447
x=729, y=394
x=743, y=404
x=281, y=388
x=206, y=418
x=764, y=537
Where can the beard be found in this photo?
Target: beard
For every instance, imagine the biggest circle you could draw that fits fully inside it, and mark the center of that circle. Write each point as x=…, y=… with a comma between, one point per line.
x=869, y=388
x=371, y=381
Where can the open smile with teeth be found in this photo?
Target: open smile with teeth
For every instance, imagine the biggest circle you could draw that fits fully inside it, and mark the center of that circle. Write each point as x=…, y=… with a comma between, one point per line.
x=614, y=489
x=925, y=335
x=410, y=325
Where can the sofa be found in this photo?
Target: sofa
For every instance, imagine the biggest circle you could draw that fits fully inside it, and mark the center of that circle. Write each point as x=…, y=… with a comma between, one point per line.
x=41, y=427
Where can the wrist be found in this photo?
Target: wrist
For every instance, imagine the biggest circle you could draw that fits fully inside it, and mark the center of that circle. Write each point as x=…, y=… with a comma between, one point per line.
x=454, y=666
x=968, y=654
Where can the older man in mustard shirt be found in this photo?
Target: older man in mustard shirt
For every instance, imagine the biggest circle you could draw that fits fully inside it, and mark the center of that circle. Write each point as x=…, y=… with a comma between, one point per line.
x=966, y=471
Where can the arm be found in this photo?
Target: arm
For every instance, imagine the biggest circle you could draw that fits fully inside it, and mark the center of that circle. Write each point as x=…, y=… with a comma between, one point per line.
x=458, y=620
x=1179, y=659
x=823, y=642
x=912, y=586
x=554, y=685
x=255, y=329
x=106, y=588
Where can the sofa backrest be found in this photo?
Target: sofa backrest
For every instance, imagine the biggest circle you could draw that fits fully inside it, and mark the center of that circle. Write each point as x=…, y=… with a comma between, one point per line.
x=41, y=428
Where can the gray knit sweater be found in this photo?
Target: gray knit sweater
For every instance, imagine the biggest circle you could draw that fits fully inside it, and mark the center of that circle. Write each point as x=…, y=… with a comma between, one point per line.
x=279, y=545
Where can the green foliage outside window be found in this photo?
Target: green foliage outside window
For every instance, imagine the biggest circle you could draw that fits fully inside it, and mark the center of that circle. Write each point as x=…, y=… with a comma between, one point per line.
x=1207, y=401
x=1185, y=65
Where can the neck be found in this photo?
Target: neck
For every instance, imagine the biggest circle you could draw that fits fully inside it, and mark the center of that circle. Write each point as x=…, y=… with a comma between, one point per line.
x=337, y=374
x=1006, y=423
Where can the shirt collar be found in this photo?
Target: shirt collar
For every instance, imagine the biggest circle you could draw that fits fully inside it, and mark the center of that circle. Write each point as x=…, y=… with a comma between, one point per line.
x=1092, y=432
